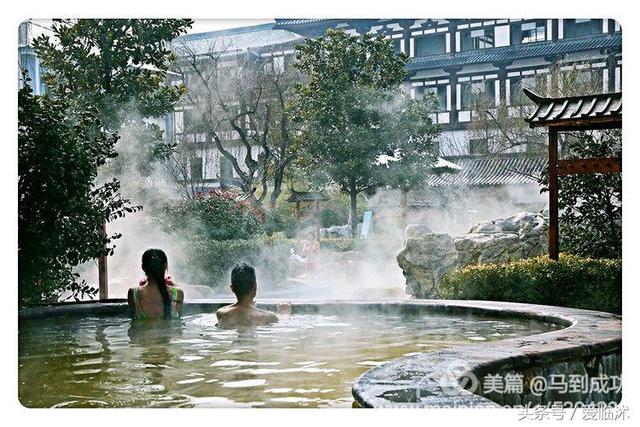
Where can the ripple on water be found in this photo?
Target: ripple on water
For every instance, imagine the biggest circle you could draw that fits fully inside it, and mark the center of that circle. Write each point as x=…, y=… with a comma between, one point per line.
x=305, y=360
x=245, y=383
x=190, y=381
x=235, y=363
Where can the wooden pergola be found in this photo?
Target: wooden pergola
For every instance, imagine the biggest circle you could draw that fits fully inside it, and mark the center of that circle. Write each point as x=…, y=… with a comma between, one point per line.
x=575, y=113
x=307, y=197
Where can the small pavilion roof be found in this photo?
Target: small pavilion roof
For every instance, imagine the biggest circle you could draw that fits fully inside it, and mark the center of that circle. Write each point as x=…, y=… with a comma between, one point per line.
x=307, y=196
x=577, y=112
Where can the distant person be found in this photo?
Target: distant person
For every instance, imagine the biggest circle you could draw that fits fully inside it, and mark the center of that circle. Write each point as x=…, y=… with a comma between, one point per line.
x=158, y=297
x=310, y=253
x=244, y=312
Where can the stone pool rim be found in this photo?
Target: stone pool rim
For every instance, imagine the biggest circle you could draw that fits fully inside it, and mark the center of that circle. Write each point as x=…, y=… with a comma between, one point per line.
x=584, y=333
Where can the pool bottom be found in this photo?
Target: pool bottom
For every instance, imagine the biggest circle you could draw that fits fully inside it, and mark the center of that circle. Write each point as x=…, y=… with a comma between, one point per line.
x=306, y=360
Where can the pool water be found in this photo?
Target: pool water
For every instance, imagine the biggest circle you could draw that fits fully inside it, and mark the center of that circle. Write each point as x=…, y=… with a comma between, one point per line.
x=303, y=361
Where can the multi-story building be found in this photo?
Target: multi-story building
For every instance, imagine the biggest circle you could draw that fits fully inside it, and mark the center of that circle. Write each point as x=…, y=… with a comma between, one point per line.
x=456, y=59
x=459, y=61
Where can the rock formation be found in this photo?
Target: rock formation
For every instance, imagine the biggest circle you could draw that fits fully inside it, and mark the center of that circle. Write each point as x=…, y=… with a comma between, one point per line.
x=427, y=256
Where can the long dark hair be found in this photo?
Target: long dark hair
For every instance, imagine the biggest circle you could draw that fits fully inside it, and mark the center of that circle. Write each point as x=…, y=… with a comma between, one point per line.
x=154, y=264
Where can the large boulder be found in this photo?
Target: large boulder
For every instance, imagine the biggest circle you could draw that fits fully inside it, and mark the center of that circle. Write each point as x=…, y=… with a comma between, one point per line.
x=523, y=235
x=424, y=260
x=416, y=230
x=428, y=256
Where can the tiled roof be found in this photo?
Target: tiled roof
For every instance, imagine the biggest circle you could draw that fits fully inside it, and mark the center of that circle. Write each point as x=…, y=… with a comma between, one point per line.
x=237, y=40
x=510, y=53
x=491, y=170
x=287, y=22
x=574, y=110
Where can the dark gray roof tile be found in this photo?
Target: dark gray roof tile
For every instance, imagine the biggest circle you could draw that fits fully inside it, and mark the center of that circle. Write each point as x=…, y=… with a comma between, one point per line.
x=567, y=110
x=510, y=53
x=491, y=170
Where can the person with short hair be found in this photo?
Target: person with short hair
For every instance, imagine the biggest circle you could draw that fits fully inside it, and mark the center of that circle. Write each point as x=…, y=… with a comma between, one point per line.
x=244, y=312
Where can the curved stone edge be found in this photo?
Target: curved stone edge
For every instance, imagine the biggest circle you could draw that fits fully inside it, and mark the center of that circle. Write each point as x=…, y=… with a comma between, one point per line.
x=424, y=380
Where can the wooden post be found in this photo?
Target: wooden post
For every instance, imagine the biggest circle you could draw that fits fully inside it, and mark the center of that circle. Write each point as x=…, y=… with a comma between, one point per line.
x=103, y=278
x=553, y=195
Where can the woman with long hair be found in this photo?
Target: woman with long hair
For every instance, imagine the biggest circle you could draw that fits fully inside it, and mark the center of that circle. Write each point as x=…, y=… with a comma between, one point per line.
x=158, y=297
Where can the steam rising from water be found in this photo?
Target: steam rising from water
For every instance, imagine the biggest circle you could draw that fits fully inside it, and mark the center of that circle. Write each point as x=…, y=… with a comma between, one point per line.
x=370, y=272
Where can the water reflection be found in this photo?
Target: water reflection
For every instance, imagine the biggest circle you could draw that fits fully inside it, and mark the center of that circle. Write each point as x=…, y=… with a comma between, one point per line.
x=306, y=360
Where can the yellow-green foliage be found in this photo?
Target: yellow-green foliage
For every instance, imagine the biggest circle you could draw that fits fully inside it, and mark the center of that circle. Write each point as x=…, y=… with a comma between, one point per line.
x=573, y=281
x=338, y=244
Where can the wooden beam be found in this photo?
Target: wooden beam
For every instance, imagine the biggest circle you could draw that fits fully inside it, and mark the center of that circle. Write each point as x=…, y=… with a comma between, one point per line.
x=588, y=166
x=577, y=124
x=554, y=248
x=103, y=277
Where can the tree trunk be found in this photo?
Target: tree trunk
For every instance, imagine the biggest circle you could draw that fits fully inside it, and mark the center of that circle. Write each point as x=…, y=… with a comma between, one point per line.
x=277, y=190
x=404, y=192
x=353, y=194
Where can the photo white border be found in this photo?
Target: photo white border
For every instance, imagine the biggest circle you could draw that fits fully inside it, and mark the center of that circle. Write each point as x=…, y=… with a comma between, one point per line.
x=15, y=12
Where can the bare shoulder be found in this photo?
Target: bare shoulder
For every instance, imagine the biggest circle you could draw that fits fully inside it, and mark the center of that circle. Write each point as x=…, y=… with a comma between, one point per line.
x=131, y=303
x=268, y=316
x=223, y=311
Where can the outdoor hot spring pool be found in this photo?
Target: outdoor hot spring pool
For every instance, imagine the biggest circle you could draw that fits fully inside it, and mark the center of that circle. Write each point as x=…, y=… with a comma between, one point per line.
x=306, y=360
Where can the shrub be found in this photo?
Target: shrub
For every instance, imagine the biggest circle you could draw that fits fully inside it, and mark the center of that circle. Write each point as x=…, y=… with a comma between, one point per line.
x=330, y=217
x=572, y=281
x=338, y=244
x=210, y=261
x=61, y=208
x=281, y=219
x=216, y=216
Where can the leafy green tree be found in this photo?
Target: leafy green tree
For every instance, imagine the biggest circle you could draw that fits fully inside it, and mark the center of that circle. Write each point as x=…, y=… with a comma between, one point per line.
x=216, y=216
x=349, y=79
x=61, y=210
x=591, y=204
x=118, y=66
x=413, y=133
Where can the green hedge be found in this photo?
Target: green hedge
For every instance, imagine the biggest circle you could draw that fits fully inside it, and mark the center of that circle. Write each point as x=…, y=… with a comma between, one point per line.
x=338, y=244
x=211, y=261
x=216, y=216
x=586, y=283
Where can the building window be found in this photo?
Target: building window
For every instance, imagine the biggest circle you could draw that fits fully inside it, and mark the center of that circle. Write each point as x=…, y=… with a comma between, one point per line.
x=439, y=92
x=536, y=84
x=195, y=168
x=430, y=45
x=477, y=39
x=226, y=168
x=582, y=27
x=179, y=122
x=478, y=146
x=531, y=32
x=192, y=121
x=478, y=94
x=589, y=80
